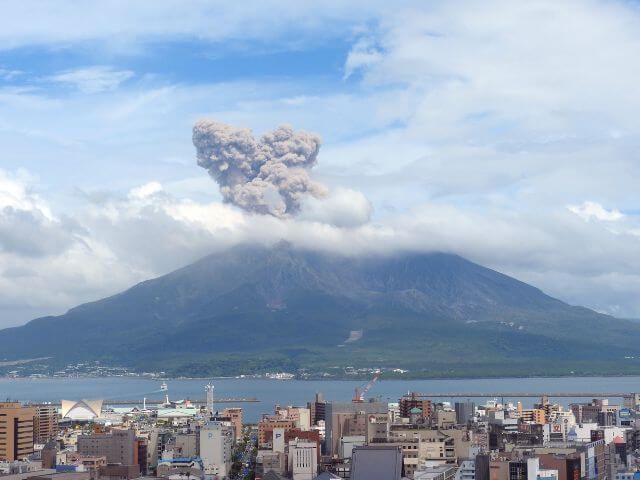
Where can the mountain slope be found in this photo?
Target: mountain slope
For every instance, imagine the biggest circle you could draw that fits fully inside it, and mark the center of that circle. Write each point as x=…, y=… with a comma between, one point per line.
x=254, y=308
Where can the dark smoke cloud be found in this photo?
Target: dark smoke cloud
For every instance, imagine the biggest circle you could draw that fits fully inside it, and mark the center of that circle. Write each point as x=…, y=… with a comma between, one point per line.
x=269, y=175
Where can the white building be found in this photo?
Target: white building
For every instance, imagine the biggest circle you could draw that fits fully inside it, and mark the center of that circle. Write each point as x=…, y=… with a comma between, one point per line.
x=610, y=433
x=581, y=433
x=347, y=444
x=277, y=444
x=303, y=459
x=301, y=416
x=466, y=471
x=81, y=409
x=216, y=442
x=623, y=475
x=547, y=475
x=320, y=427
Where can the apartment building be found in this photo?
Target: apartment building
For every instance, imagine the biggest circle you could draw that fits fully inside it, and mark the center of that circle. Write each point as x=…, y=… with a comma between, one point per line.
x=16, y=431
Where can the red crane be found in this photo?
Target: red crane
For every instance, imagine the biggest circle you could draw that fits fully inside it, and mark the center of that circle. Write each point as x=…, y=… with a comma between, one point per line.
x=358, y=397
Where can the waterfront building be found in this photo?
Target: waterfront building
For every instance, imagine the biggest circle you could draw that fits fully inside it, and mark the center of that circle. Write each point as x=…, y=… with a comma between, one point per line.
x=81, y=410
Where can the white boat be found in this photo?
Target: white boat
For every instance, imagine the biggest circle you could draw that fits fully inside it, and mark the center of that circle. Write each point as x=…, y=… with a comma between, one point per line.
x=164, y=387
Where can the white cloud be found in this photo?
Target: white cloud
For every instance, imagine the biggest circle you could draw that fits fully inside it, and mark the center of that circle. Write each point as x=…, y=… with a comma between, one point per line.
x=340, y=207
x=29, y=22
x=146, y=190
x=364, y=54
x=94, y=79
x=8, y=74
x=594, y=211
x=107, y=246
x=15, y=194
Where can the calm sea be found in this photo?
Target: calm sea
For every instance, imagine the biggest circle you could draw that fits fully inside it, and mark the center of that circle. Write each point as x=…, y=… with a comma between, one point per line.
x=295, y=392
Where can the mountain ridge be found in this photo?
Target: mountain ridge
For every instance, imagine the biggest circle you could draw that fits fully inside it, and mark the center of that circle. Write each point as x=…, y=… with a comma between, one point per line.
x=252, y=307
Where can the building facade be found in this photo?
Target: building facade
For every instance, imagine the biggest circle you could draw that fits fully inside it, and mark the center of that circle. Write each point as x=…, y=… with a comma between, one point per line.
x=45, y=423
x=216, y=442
x=16, y=431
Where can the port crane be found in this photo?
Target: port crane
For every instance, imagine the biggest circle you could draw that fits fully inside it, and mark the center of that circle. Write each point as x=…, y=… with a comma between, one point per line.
x=359, y=394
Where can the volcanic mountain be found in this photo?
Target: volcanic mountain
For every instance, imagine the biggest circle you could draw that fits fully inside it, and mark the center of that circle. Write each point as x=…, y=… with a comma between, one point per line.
x=253, y=309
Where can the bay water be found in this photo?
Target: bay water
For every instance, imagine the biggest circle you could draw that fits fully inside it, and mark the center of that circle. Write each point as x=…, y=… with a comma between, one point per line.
x=299, y=392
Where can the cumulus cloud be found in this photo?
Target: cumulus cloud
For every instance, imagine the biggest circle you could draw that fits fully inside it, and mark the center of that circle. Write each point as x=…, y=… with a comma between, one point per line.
x=594, y=211
x=27, y=226
x=341, y=208
x=110, y=245
x=49, y=262
x=270, y=175
x=146, y=190
x=30, y=233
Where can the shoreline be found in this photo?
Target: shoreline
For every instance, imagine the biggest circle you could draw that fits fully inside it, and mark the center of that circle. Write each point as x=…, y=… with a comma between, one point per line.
x=323, y=379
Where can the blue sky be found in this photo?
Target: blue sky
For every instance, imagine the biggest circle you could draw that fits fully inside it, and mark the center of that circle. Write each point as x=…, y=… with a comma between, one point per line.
x=502, y=131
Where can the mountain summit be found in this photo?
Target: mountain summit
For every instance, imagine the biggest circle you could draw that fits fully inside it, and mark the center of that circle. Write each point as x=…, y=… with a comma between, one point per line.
x=257, y=308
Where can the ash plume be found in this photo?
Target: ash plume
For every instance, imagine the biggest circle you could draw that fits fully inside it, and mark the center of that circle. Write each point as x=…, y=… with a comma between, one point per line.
x=270, y=175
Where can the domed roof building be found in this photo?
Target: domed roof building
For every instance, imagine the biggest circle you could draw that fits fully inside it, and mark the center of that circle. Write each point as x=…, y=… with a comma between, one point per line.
x=81, y=409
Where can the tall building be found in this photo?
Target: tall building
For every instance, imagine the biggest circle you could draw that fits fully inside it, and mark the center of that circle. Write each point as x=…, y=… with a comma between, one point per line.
x=464, y=412
x=317, y=409
x=45, y=423
x=347, y=419
x=481, y=466
x=525, y=469
x=216, y=441
x=300, y=416
x=235, y=414
x=16, y=431
x=266, y=427
x=533, y=415
x=142, y=446
x=413, y=400
x=308, y=435
x=632, y=400
x=303, y=459
x=594, y=411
